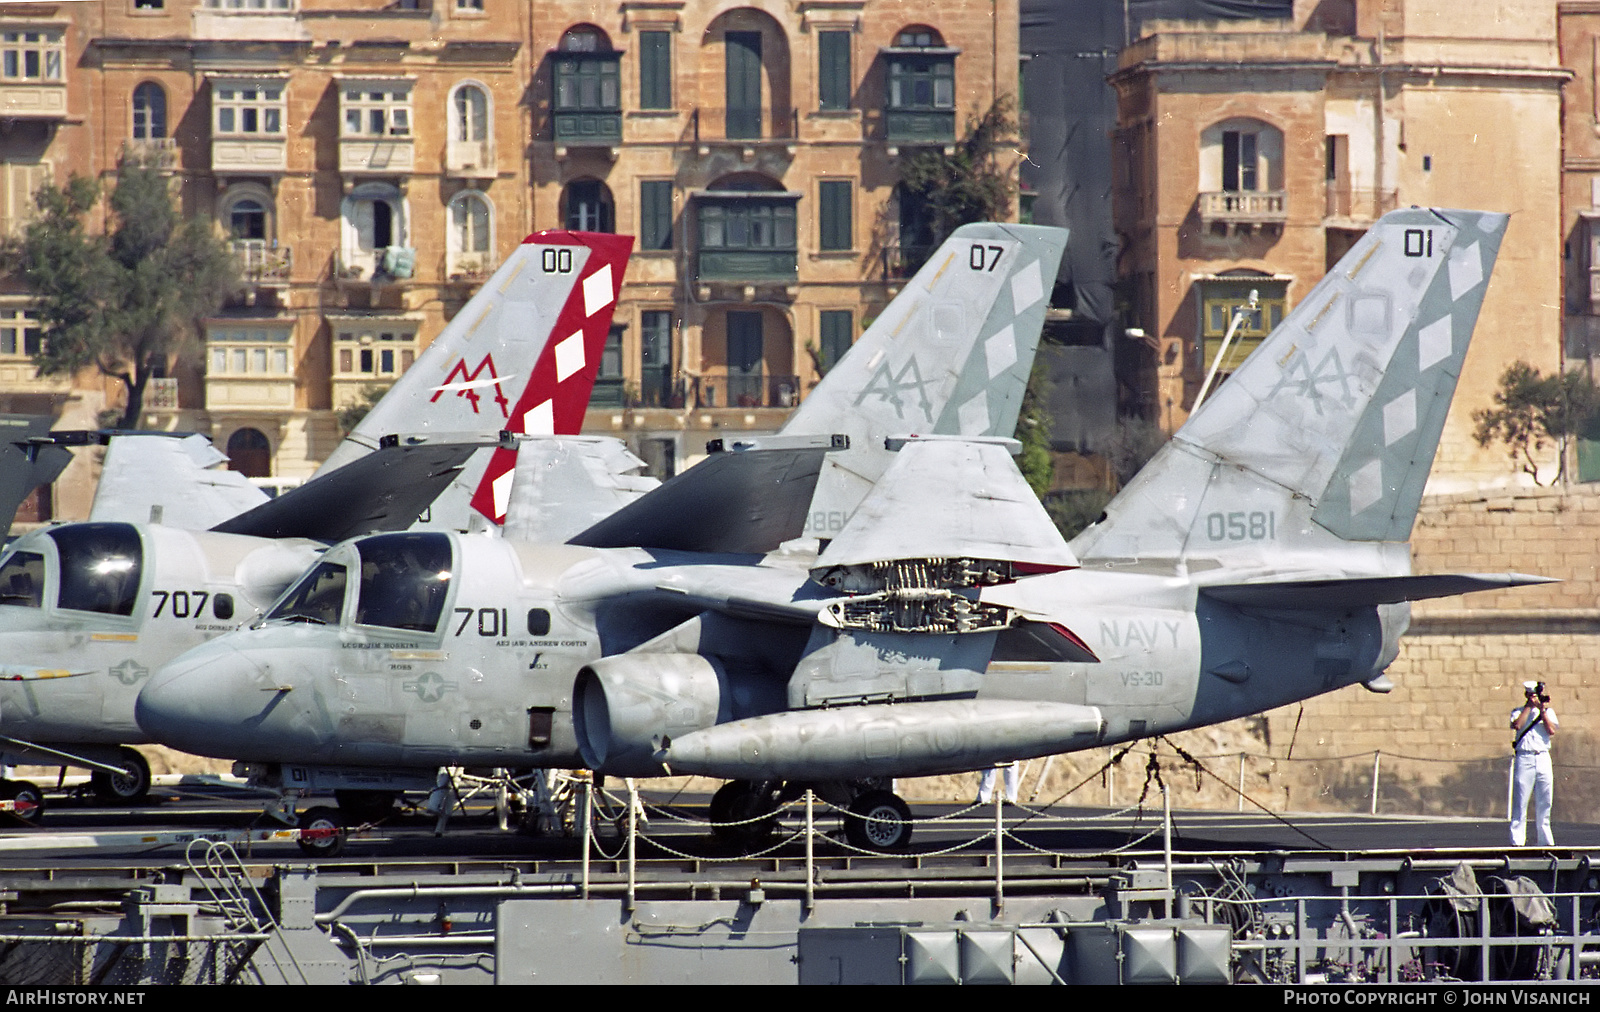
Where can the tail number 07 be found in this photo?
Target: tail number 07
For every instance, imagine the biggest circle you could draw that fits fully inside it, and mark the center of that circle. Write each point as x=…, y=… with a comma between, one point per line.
x=983, y=258
x=492, y=622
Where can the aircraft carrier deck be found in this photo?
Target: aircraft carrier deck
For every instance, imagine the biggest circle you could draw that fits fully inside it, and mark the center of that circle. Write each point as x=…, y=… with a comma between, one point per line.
x=197, y=889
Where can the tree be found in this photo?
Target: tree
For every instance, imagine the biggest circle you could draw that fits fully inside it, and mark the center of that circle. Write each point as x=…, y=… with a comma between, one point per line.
x=1033, y=431
x=1532, y=409
x=123, y=302
x=969, y=184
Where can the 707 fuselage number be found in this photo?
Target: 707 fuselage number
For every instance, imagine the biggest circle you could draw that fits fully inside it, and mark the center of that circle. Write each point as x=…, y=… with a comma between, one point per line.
x=185, y=603
x=1259, y=525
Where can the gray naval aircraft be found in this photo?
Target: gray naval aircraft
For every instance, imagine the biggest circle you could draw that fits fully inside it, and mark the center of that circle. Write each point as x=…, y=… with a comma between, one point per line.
x=88, y=610
x=1260, y=558
x=951, y=354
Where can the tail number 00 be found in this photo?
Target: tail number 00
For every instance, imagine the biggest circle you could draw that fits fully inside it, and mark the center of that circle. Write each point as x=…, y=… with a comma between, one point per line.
x=556, y=261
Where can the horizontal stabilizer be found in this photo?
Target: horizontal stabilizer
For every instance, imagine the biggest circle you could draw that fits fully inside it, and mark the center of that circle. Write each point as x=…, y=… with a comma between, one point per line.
x=745, y=501
x=27, y=459
x=1365, y=591
x=565, y=484
x=384, y=491
x=969, y=501
x=171, y=481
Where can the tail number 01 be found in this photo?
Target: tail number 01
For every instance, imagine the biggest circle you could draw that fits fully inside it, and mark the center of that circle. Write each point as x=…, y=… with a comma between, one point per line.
x=556, y=261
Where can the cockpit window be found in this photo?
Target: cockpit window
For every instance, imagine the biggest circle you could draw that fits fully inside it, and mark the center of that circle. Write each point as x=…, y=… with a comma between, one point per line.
x=100, y=566
x=317, y=598
x=404, y=579
x=22, y=580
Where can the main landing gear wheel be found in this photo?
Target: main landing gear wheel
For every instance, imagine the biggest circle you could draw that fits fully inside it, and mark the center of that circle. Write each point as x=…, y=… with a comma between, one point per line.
x=27, y=798
x=737, y=811
x=321, y=832
x=878, y=820
x=130, y=787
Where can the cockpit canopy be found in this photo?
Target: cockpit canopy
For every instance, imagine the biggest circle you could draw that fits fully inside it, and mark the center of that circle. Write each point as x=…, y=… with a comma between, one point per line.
x=100, y=569
x=403, y=582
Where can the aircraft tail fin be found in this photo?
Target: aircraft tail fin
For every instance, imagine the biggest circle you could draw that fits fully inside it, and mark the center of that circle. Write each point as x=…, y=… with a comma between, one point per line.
x=171, y=481
x=520, y=356
x=566, y=484
x=949, y=356
x=1318, y=447
x=28, y=459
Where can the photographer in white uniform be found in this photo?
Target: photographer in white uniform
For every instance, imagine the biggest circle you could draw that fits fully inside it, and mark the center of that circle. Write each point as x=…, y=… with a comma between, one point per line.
x=1532, y=724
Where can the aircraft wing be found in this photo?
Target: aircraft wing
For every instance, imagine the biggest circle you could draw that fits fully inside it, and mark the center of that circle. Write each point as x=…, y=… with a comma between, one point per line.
x=748, y=498
x=1364, y=591
x=26, y=460
x=171, y=481
x=566, y=484
x=34, y=673
x=384, y=491
x=968, y=501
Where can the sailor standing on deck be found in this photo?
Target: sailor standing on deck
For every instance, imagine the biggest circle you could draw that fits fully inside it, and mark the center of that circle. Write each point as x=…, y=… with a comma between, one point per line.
x=1532, y=724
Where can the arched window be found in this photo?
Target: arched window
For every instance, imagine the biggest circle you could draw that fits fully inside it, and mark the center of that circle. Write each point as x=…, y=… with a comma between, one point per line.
x=469, y=223
x=247, y=219
x=374, y=220
x=470, y=114
x=250, y=453
x=588, y=206
x=149, y=112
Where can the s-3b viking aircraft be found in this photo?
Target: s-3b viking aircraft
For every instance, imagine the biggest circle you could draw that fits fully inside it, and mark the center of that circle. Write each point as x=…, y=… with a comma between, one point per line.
x=88, y=610
x=1260, y=558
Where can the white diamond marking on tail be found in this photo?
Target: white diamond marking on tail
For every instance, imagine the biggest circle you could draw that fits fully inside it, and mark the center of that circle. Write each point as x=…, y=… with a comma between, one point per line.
x=597, y=293
x=1001, y=351
x=974, y=415
x=1434, y=343
x=1026, y=287
x=1366, y=486
x=569, y=356
x=540, y=420
x=1466, y=270
x=1399, y=417
x=501, y=487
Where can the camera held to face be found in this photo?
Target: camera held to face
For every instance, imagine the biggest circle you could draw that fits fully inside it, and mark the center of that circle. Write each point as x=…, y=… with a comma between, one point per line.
x=1535, y=690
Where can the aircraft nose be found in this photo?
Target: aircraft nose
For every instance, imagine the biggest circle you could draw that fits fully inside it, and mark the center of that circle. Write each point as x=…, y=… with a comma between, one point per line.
x=208, y=701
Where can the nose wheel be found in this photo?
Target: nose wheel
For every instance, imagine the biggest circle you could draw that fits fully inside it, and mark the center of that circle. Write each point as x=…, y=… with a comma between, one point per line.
x=130, y=787
x=26, y=798
x=322, y=832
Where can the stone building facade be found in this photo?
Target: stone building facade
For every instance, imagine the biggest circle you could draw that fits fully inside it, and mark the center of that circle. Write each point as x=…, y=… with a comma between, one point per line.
x=371, y=163
x=1253, y=154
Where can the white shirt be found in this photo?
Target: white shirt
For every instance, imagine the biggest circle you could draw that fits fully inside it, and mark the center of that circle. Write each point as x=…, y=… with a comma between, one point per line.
x=1538, y=739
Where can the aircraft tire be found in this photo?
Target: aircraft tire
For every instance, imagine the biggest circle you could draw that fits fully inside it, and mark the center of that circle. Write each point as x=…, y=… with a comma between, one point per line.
x=24, y=792
x=878, y=820
x=742, y=803
x=329, y=828
x=130, y=788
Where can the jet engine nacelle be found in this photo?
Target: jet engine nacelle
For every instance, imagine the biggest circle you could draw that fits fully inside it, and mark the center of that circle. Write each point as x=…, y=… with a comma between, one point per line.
x=625, y=707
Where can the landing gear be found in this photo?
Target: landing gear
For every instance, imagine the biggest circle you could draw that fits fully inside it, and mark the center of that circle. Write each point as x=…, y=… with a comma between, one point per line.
x=130, y=787
x=742, y=812
x=878, y=820
x=27, y=799
x=322, y=832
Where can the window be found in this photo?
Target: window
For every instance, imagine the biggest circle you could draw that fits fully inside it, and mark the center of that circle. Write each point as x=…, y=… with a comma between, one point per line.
x=1221, y=300
x=404, y=580
x=836, y=333
x=100, y=567
x=470, y=6
x=747, y=225
x=917, y=82
x=742, y=84
x=655, y=214
x=471, y=109
x=589, y=207
x=374, y=221
x=376, y=352
x=31, y=56
x=250, y=453
x=371, y=110
x=588, y=73
x=20, y=332
x=250, y=6
x=1239, y=162
x=655, y=70
x=834, y=221
x=258, y=352
x=247, y=219
x=149, y=112
x=148, y=5
x=22, y=580
x=745, y=385
x=471, y=234
x=655, y=357
x=833, y=70
x=241, y=107
x=317, y=598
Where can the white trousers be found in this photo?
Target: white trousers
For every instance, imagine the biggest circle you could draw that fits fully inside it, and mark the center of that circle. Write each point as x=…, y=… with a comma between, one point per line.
x=1531, y=776
x=986, y=784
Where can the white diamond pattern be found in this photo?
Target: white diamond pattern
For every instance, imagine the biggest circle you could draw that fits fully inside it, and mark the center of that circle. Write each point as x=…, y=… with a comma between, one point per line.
x=1434, y=343
x=1026, y=287
x=597, y=293
x=1366, y=486
x=501, y=487
x=974, y=415
x=1466, y=270
x=1399, y=417
x=569, y=356
x=540, y=420
x=1001, y=351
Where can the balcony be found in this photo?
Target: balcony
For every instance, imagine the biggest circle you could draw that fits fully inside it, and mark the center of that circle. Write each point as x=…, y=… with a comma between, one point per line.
x=912, y=127
x=160, y=153
x=469, y=159
x=754, y=267
x=593, y=128
x=754, y=132
x=261, y=263
x=249, y=155
x=744, y=390
x=33, y=99
x=386, y=156
x=1238, y=210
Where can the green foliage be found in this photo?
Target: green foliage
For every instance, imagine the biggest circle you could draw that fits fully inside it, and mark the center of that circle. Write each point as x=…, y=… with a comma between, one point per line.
x=351, y=414
x=1533, y=410
x=1033, y=431
x=964, y=186
x=126, y=301
x=1135, y=441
